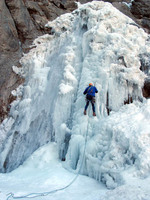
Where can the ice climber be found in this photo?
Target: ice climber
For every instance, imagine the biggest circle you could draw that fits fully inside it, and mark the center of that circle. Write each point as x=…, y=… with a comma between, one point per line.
x=90, y=97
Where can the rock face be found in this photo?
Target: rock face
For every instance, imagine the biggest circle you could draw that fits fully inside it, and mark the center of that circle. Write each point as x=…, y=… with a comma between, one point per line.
x=23, y=20
x=10, y=53
x=141, y=10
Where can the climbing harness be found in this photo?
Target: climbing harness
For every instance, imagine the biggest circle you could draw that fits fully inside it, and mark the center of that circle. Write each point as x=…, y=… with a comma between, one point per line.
x=34, y=195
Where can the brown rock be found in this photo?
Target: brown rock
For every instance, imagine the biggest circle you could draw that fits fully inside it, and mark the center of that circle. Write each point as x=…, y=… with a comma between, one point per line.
x=122, y=7
x=113, y=1
x=146, y=89
x=70, y=6
x=146, y=23
x=9, y=55
x=36, y=14
x=8, y=33
x=25, y=26
x=141, y=8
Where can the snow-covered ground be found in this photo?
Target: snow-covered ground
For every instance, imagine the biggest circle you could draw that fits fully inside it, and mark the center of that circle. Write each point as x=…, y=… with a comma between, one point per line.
x=96, y=43
x=44, y=173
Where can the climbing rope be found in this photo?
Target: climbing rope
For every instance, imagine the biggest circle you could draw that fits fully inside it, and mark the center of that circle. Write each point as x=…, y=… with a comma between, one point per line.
x=34, y=195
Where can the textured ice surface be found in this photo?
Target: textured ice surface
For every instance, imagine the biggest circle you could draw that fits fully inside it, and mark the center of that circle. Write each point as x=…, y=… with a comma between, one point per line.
x=96, y=43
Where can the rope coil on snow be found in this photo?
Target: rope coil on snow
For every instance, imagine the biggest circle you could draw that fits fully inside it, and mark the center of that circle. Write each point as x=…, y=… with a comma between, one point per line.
x=34, y=195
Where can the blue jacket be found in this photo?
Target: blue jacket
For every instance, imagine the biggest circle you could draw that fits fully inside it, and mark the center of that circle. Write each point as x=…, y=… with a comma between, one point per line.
x=91, y=90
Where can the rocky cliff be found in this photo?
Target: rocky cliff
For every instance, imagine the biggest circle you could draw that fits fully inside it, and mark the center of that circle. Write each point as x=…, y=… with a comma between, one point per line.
x=24, y=20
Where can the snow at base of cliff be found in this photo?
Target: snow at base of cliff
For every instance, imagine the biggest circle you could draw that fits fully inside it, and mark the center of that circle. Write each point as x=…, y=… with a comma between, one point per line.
x=95, y=43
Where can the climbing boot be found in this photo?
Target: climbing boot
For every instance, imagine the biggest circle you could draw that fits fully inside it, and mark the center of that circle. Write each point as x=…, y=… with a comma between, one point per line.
x=94, y=114
x=84, y=112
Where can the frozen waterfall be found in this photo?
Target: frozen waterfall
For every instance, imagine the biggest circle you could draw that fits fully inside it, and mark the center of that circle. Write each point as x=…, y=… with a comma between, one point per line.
x=95, y=43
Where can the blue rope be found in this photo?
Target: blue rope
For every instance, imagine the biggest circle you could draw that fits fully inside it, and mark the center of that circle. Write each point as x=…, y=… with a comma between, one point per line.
x=34, y=195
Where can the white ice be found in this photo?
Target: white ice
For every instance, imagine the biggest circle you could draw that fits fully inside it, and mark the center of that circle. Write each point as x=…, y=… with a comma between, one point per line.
x=43, y=172
x=96, y=43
